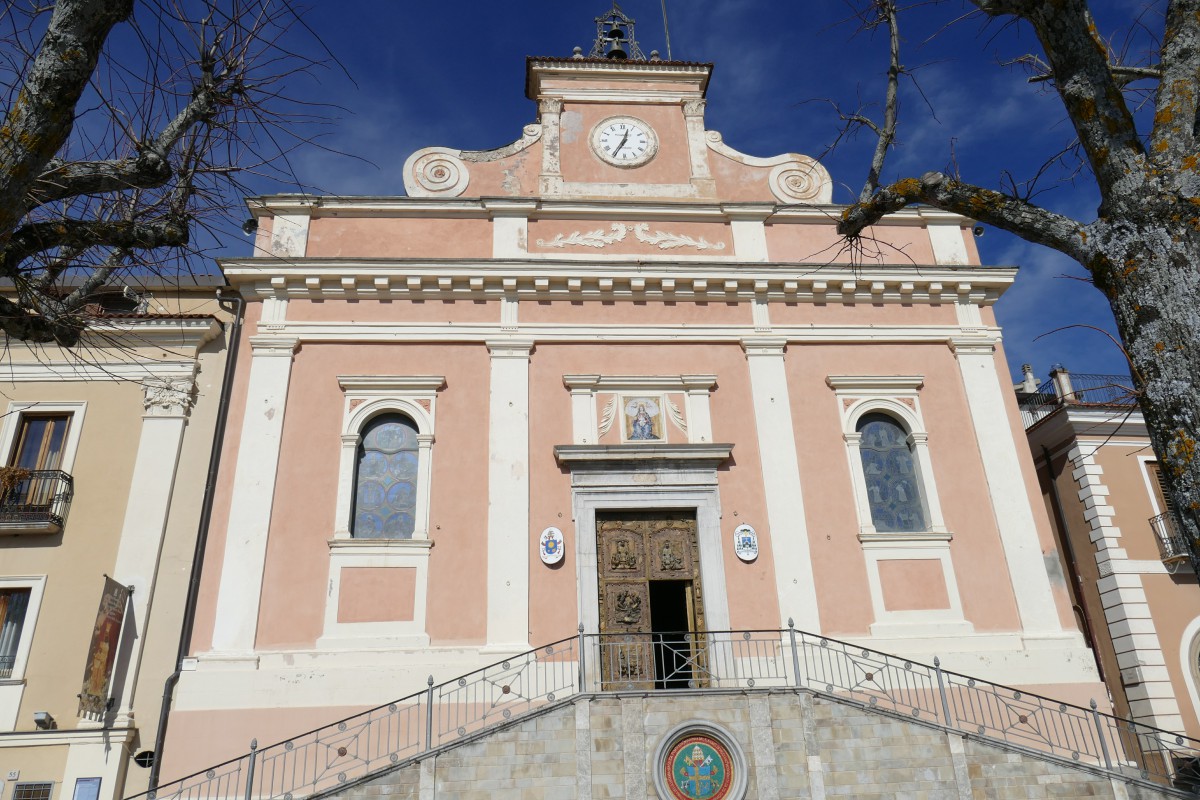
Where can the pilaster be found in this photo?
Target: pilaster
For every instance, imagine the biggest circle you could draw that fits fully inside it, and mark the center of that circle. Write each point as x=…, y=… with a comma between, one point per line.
x=167, y=402
x=1011, y=503
x=508, y=496
x=253, y=495
x=781, y=482
x=550, y=112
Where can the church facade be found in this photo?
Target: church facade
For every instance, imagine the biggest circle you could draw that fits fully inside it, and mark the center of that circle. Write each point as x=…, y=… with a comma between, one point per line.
x=616, y=377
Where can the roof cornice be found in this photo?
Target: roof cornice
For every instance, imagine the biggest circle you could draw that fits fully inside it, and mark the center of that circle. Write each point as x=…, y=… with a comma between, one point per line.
x=546, y=208
x=591, y=68
x=624, y=279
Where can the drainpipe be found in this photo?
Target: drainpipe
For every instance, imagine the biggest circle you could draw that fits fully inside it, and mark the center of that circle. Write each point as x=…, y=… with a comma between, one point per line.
x=1070, y=548
x=206, y=506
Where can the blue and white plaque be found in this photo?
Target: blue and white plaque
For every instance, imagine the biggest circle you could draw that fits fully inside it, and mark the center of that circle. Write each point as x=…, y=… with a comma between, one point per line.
x=550, y=546
x=745, y=542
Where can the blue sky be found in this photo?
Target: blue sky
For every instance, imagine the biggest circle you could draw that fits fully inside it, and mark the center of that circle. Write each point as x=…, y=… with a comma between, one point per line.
x=452, y=74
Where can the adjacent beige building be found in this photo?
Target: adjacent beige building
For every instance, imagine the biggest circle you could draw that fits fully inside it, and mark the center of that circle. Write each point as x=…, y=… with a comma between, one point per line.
x=1132, y=572
x=105, y=451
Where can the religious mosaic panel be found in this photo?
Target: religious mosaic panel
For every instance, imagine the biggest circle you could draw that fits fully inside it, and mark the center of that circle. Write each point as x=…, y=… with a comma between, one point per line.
x=643, y=418
x=699, y=761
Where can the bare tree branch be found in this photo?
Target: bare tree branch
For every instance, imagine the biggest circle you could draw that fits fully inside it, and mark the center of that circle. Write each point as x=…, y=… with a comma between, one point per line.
x=886, y=15
x=1007, y=213
x=1078, y=59
x=131, y=150
x=43, y=114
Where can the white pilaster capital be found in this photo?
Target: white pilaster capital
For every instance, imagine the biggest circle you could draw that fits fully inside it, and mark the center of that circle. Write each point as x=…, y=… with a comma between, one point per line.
x=698, y=384
x=753, y=212
x=349, y=439
x=918, y=439
x=550, y=105
x=581, y=384
x=693, y=108
x=973, y=345
x=510, y=348
x=168, y=397
x=509, y=207
x=425, y=440
x=852, y=439
x=264, y=346
x=773, y=346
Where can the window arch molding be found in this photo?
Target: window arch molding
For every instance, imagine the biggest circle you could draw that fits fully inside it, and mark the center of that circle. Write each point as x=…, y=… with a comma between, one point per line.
x=362, y=414
x=1189, y=656
x=368, y=398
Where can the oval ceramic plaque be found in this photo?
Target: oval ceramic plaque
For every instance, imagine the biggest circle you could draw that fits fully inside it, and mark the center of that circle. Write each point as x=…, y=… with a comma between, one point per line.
x=745, y=542
x=550, y=546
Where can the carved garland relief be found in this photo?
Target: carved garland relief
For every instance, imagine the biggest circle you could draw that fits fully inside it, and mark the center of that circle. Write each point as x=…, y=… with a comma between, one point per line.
x=598, y=238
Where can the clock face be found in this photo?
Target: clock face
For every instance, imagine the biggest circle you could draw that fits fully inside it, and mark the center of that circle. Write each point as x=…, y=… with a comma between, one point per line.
x=624, y=141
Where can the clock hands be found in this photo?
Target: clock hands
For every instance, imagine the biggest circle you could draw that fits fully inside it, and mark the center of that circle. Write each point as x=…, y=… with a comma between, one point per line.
x=624, y=139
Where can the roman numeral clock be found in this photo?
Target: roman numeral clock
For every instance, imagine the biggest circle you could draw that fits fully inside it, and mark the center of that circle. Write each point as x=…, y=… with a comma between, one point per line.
x=624, y=141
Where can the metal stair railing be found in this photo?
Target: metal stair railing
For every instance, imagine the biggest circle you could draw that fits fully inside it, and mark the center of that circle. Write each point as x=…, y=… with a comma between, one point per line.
x=344, y=752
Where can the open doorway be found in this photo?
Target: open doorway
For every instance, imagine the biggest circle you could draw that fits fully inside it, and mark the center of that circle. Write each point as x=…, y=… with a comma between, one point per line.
x=671, y=627
x=651, y=620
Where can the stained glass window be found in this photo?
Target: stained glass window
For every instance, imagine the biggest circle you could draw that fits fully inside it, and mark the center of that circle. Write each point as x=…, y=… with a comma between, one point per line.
x=385, y=487
x=893, y=490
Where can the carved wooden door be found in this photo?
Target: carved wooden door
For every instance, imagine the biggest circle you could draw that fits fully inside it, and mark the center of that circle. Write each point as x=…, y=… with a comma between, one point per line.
x=634, y=549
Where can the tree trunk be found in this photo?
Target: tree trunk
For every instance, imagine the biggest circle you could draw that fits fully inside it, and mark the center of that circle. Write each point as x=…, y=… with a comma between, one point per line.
x=1146, y=261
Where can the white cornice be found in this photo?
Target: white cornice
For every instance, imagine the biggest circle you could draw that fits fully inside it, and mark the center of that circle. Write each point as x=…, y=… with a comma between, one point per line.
x=1076, y=423
x=616, y=280
x=639, y=382
x=391, y=383
x=584, y=71
x=875, y=382
x=165, y=332
x=578, y=454
x=484, y=333
x=56, y=371
x=100, y=736
x=545, y=208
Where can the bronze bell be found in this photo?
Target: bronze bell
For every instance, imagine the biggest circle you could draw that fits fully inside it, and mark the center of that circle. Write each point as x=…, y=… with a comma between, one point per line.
x=616, y=42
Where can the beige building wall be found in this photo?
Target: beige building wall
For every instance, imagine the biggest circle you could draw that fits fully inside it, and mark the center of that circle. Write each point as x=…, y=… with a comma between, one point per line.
x=144, y=399
x=1143, y=612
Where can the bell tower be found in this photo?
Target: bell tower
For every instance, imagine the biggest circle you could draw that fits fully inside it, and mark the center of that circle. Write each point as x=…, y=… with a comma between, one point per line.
x=615, y=39
x=617, y=125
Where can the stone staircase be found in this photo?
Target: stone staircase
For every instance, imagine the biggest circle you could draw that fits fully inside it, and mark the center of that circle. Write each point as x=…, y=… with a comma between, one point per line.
x=797, y=744
x=807, y=715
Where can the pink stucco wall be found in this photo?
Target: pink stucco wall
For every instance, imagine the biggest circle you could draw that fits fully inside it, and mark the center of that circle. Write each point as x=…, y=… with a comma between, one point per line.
x=913, y=585
x=293, y=598
x=838, y=560
x=894, y=244
x=399, y=237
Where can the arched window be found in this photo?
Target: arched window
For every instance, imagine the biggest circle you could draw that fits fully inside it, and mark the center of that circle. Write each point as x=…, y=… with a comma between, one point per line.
x=385, y=482
x=893, y=487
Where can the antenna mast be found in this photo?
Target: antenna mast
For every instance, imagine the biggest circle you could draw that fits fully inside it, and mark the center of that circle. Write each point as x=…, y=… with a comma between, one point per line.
x=666, y=29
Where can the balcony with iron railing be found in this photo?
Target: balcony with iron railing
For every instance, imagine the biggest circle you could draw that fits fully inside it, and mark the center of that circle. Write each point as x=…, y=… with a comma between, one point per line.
x=1078, y=390
x=34, y=501
x=1174, y=547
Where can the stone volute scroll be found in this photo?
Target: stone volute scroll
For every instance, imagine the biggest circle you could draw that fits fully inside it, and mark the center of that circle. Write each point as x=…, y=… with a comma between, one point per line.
x=793, y=178
x=443, y=172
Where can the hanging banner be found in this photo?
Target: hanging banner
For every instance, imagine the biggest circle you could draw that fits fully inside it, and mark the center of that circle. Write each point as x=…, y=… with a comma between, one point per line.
x=103, y=652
